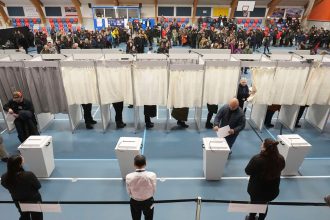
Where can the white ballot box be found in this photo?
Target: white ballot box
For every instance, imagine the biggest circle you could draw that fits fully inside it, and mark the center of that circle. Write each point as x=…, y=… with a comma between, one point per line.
x=126, y=149
x=294, y=149
x=38, y=155
x=215, y=155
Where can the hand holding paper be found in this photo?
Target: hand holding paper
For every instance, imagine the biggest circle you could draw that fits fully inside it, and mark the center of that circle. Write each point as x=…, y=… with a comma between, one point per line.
x=223, y=131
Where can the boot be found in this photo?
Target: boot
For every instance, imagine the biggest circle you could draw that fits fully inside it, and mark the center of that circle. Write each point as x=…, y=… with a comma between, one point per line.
x=148, y=122
x=120, y=124
x=89, y=126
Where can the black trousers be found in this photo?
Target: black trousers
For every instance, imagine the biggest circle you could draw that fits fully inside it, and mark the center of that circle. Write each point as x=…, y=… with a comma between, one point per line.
x=118, y=106
x=150, y=111
x=25, y=125
x=231, y=140
x=137, y=207
x=28, y=215
x=300, y=113
x=269, y=116
x=87, y=112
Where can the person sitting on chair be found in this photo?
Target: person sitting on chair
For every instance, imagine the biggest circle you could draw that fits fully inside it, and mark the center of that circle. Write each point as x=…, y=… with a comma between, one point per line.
x=23, y=112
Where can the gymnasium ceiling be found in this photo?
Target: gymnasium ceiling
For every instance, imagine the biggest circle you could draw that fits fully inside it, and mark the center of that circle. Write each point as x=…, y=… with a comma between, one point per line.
x=136, y=2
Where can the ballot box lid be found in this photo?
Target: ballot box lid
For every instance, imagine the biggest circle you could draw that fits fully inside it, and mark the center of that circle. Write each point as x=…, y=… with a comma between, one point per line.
x=129, y=143
x=216, y=144
x=293, y=140
x=35, y=142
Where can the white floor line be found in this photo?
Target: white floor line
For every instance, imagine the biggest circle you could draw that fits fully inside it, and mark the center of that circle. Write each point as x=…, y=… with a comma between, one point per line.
x=96, y=111
x=317, y=158
x=3, y=131
x=66, y=119
x=162, y=179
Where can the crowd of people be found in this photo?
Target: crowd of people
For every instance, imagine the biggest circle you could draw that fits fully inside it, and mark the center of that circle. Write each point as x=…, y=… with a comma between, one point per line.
x=220, y=33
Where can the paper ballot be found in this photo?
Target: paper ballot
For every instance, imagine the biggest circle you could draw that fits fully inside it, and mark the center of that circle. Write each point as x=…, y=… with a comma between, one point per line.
x=10, y=118
x=30, y=207
x=223, y=131
x=254, y=208
x=37, y=207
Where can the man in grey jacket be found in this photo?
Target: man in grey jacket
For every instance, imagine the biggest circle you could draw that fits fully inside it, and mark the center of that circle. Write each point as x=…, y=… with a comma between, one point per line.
x=230, y=114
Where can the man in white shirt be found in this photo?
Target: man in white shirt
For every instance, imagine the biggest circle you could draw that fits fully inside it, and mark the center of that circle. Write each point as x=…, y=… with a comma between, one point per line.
x=141, y=186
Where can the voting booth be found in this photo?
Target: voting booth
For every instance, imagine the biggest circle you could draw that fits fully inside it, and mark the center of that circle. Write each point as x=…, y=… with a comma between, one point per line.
x=294, y=149
x=215, y=155
x=38, y=155
x=126, y=149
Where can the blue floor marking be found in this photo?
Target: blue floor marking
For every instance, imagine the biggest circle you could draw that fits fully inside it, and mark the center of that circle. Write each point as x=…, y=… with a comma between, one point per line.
x=270, y=134
x=144, y=140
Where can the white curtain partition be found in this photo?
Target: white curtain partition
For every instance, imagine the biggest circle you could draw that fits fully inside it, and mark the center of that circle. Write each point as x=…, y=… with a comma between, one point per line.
x=221, y=81
x=318, y=85
x=79, y=79
x=262, y=81
x=186, y=83
x=115, y=82
x=288, y=85
x=150, y=82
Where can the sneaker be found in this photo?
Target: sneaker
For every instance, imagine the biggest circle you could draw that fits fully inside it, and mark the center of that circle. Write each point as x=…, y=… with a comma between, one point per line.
x=120, y=125
x=130, y=106
x=209, y=125
x=89, y=126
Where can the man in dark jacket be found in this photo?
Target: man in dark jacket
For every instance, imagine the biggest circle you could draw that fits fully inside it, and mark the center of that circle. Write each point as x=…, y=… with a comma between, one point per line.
x=242, y=92
x=233, y=116
x=23, y=112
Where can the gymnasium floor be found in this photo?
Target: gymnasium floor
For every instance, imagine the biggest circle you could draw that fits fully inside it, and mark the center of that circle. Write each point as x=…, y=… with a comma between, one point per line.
x=87, y=170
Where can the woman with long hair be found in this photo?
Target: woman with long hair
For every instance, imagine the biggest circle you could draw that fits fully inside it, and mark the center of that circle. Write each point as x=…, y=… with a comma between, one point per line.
x=23, y=186
x=265, y=172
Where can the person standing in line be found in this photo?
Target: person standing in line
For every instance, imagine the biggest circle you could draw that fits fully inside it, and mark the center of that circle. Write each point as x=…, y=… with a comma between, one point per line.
x=23, y=186
x=230, y=114
x=266, y=42
x=264, y=170
x=141, y=187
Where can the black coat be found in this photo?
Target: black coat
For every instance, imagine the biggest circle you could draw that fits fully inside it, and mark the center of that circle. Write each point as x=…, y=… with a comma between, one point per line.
x=25, y=105
x=259, y=187
x=26, y=188
x=242, y=94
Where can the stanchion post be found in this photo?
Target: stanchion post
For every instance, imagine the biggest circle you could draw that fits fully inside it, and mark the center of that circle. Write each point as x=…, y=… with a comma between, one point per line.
x=198, y=208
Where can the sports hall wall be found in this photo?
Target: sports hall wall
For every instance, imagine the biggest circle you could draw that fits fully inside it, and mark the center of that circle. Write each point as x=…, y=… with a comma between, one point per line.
x=317, y=17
